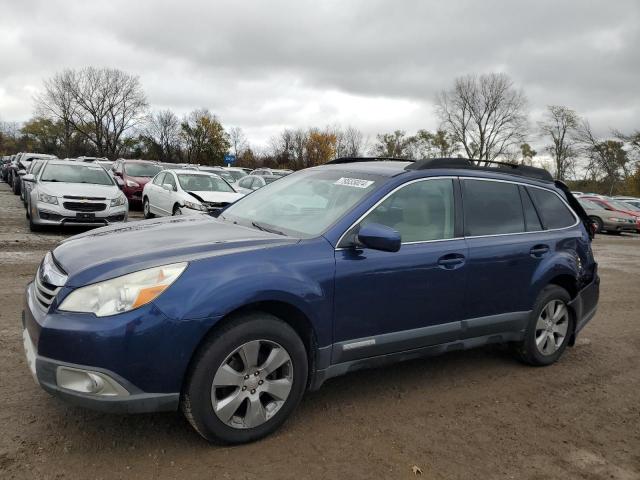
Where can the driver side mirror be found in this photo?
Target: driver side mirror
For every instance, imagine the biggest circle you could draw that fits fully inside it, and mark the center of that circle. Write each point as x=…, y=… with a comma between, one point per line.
x=29, y=178
x=22, y=172
x=117, y=173
x=379, y=237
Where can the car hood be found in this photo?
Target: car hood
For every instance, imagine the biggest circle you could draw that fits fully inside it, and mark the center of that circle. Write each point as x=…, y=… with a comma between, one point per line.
x=228, y=197
x=112, y=251
x=79, y=189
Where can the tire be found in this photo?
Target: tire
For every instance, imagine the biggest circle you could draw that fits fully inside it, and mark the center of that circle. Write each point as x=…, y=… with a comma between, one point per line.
x=16, y=186
x=598, y=223
x=177, y=210
x=234, y=425
x=146, y=209
x=34, y=227
x=544, y=344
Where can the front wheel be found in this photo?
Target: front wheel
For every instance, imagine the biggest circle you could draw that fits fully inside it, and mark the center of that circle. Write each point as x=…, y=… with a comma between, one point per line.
x=146, y=208
x=597, y=221
x=246, y=380
x=550, y=328
x=177, y=210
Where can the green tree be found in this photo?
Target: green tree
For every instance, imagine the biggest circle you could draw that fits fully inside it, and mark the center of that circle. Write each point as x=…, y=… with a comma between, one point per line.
x=46, y=135
x=396, y=145
x=527, y=154
x=204, y=138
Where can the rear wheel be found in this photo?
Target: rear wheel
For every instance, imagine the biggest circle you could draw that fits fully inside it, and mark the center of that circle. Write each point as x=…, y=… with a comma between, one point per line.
x=597, y=221
x=146, y=208
x=549, y=329
x=246, y=380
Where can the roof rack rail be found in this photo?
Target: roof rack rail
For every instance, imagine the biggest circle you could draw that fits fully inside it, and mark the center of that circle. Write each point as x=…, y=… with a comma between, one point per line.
x=340, y=160
x=521, y=170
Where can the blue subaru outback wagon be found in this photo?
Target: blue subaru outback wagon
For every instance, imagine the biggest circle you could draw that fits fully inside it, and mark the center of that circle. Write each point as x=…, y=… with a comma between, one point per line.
x=352, y=264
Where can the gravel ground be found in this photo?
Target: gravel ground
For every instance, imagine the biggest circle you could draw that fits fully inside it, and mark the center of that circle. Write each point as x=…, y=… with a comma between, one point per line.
x=475, y=414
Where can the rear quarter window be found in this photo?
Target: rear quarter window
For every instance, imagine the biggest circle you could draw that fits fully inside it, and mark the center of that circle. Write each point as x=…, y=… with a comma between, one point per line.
x=553, y=212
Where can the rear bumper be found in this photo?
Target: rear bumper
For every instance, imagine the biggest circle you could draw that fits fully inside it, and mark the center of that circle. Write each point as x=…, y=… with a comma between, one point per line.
x=585, y=305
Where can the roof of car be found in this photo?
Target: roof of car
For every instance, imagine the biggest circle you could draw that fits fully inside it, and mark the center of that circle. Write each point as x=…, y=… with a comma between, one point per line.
x=188, y=171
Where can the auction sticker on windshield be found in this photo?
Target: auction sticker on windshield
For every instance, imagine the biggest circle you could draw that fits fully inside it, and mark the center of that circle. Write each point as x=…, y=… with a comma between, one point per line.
x=354, y=182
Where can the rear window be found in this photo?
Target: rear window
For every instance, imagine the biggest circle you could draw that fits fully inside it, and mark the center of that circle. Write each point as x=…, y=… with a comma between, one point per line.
x=553, y=212
x=492, y=208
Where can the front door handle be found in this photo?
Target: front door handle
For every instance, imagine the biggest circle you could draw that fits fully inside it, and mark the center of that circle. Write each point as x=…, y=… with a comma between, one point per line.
x=451, y=261
x=538, y=251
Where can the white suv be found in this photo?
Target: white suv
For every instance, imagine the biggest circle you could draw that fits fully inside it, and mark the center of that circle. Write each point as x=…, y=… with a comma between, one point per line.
x=183, y=192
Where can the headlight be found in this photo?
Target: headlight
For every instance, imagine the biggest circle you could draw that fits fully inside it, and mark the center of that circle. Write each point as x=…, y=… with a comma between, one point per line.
x=617, y=219
x=194, y=206
x=119, y=200
x=43, y=197
x=131, y=183
x=123, y=293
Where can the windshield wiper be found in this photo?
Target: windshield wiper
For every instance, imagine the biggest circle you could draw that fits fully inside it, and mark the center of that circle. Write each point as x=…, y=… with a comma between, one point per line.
x=267, y=229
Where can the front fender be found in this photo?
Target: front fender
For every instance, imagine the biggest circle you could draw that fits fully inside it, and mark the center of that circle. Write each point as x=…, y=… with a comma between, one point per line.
x=300, y=275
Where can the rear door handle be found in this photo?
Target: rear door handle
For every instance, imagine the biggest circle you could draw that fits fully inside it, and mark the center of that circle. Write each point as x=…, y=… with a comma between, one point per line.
x=539, y=250
x=451, y=261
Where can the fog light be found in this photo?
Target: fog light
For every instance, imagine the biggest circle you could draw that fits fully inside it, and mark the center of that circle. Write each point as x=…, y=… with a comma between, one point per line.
x=84, y=381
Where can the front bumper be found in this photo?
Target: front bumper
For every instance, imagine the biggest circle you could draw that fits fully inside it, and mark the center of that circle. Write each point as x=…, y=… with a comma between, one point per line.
x=56, y=215
x=612, y=226
x=135, y=353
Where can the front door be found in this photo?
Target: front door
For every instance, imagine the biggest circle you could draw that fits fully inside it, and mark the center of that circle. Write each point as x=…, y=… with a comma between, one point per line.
x=388, y=302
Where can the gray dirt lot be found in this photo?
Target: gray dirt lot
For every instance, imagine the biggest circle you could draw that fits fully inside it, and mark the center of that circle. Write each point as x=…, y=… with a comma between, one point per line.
x=476, y=414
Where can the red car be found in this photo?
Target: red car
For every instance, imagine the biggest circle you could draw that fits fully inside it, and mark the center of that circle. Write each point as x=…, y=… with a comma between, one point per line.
x=133, y=175
x=616, y=206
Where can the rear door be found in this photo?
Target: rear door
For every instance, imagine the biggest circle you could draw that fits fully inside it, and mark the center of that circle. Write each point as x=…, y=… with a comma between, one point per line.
x=500, y=225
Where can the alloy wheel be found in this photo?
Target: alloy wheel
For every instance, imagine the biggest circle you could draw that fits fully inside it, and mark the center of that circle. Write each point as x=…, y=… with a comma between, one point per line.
x=552, y=327
x=252, y=384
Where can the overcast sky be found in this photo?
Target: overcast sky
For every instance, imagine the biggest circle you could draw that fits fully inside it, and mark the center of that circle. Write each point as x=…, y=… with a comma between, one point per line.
x=376, y=65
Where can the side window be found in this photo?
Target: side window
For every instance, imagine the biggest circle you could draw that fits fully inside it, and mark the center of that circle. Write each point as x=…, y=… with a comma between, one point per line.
x=420, y=211
x=531, y=219
x=491, y=208
x=159, y=179
x=553, y=212
x=168, y=179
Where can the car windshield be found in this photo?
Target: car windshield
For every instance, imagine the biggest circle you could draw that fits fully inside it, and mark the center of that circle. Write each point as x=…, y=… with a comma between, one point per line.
x=221, y=173
x=141, y=169
x=203, y=183
x=78, y=173
x=302, y=204
x=623, y=206
x=589, y=205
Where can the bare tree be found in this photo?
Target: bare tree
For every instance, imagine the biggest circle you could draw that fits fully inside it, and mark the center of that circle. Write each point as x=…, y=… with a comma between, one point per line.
x=560, y=125
x=162, y=134
x=238, y=141
x=100, y=104
x=58, y=104
x=349, y=141
x=606, y=156
x=486, y=114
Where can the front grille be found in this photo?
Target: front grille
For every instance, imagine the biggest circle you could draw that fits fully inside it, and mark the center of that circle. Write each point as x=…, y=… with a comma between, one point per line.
x=211, y=205
x=72, y=197
x=84, y=206
x=45, y=292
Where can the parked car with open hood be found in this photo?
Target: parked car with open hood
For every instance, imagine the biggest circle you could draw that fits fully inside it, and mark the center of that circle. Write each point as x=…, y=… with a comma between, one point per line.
x=233, y=318
x=186, y=192
x=133, y=175
x=74, y=193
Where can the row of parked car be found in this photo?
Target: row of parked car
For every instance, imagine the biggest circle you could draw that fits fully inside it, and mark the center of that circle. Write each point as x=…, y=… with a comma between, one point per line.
x=92, y=191
x=611, y=214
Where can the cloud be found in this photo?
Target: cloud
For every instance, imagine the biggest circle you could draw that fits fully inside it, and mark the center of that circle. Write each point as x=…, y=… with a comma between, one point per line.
x=376, y=65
